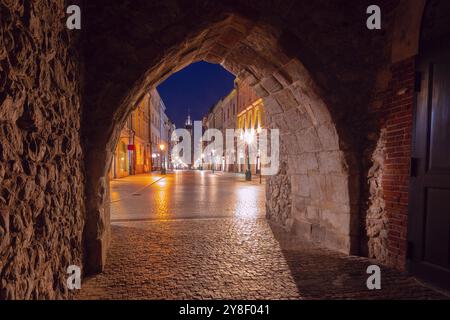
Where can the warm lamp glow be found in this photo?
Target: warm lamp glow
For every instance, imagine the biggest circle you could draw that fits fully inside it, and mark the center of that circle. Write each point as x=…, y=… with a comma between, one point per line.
x=161, y=146
x=248, y=136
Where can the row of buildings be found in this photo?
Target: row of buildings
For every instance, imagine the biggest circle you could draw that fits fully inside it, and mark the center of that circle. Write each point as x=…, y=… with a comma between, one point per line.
x=240, y=109
x=144, y=143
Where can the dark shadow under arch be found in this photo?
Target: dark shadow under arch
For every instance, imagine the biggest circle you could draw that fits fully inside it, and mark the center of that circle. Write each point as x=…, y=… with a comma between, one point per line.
x=307, y=96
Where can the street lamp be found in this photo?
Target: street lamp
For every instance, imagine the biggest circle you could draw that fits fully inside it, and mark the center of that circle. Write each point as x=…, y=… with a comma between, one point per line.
x=163, y=168
x=212, y=159
x=248, y=138
x=203, y=157
x=258, y=166
x=153, y=160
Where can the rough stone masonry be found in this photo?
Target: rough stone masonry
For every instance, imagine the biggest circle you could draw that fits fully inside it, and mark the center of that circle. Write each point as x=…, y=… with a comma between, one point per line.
x=41, y=161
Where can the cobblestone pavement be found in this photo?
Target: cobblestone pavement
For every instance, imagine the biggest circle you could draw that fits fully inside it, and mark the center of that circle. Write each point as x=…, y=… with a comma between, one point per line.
x=187, y=194
x=128, y=187
x=201, y=247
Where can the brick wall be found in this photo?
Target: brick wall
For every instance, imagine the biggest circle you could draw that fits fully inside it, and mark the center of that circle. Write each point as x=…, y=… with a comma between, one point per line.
x=397, y=119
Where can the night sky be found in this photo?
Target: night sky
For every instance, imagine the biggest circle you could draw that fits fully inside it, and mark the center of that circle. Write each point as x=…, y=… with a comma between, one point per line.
x=196, y=87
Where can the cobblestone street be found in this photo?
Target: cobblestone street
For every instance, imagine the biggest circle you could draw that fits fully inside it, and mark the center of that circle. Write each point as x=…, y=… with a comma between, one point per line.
x=198, y=235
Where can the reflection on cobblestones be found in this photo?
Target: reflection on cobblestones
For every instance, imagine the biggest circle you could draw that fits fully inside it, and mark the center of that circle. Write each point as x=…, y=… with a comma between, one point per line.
x=193, y=259
x=204, y=236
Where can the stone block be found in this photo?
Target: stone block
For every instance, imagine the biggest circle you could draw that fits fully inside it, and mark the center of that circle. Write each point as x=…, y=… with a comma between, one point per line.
x=337, y=189
x=304, y=122
x=271, y=84
x=230, y=37
x=291, y=140
x=296, y=71
x=272, y=106
x=299, y=206
x=311, y=102
x=313, y=213
x=286, y=99
x=338, y=221
x=293, y=118
x=300, y=185
x=318, y=187
x=328, y=136
x=302, y=229
x=302, y=164
x=309, y=140
x=260, y=91
x=331, y=162
x=318, y=233
x=283, y=77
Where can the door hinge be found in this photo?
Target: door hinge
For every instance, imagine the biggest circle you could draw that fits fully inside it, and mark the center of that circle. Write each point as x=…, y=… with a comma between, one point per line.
x=414, y=167
x=418, y=82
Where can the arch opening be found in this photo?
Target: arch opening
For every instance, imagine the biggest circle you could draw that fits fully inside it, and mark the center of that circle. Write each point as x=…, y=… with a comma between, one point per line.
x=315, y=193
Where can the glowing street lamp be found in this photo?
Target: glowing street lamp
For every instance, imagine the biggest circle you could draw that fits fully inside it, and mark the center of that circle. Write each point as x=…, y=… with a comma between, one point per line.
x=213, y=152
x=248, y=138
x=202, y=159
x=163, y=168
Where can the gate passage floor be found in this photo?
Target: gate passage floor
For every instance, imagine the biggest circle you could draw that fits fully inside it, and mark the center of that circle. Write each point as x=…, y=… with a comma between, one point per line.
x=199, y=235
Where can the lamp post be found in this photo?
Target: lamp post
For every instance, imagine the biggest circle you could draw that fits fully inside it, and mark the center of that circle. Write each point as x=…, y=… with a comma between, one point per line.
x=153, y=161
x=258, y=162
x=248, y=137
x=212, y=159
x=203, y=156
x=163, y=168
x=258, y=166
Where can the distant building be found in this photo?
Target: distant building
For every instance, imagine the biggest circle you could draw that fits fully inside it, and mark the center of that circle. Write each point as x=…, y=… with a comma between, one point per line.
x=250, y=119
x=229, y=112
x=166, y=131
x=240, y=109
x=156, y=104
x=133, y=152
x=137, y=149
x=210, y=121
x=189, y=126
x=171, y=144
x=121, y=165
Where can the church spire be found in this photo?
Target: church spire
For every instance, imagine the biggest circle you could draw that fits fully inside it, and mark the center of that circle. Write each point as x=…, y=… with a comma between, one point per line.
x=188, y=120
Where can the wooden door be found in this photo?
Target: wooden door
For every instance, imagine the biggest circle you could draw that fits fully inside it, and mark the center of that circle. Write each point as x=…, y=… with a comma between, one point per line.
x=429, y=230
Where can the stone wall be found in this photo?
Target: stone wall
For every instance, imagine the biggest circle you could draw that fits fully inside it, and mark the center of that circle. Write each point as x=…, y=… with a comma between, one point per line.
x=376, y=221
x=41, y=176
x=397, y=120
x=279, y=198
x=316, y=82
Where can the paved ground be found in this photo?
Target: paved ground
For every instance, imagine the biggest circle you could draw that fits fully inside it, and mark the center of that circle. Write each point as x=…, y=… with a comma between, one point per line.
x=186, y=194
x=193, y=235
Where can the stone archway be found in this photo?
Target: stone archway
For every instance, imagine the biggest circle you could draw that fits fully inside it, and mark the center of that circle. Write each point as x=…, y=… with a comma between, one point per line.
x=312, y=60
x=316, y=101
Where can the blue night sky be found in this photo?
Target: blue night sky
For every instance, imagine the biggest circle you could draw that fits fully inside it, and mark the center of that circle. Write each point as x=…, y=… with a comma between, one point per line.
x=196, y=87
